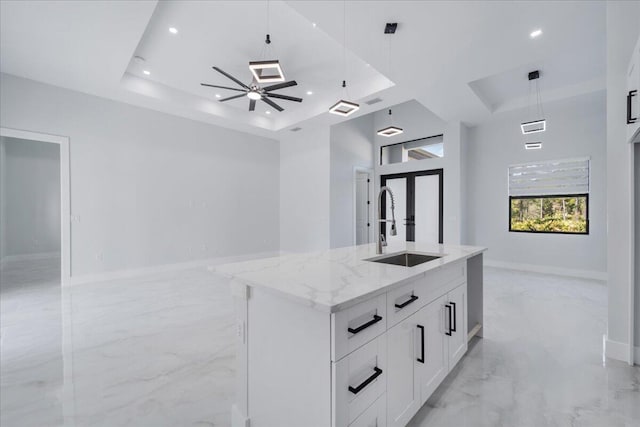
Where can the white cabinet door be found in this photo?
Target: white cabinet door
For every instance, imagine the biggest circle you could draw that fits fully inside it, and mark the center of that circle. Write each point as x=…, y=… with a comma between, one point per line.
x=432, y=348
x=403, y=389
x=456, y=323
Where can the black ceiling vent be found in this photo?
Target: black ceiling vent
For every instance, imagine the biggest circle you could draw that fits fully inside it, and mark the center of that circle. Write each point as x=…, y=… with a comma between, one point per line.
x=534, y=75
x=373, y=101
x=296, y=129
x=390, y=28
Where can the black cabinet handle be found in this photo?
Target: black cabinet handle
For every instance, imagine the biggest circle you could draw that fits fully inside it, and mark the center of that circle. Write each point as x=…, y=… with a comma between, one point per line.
x=449, y=307
x=407, y=302
x=630, y=119
x=361, y=328
x=376, y=374
x=421, y=358
x=453, y=329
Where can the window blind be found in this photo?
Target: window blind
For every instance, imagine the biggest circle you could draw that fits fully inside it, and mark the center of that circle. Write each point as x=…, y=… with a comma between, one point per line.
x=552, y=177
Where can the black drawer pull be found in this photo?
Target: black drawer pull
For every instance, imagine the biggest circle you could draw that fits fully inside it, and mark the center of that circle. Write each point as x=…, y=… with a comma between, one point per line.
x=449, y=307
x=407, y=302
x=630, y=119
x=366, y=382
x=421, y=358
x=361, y=328
x=453, y=329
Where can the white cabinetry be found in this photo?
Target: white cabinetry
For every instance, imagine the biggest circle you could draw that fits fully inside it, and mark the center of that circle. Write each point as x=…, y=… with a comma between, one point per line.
x=633, y=95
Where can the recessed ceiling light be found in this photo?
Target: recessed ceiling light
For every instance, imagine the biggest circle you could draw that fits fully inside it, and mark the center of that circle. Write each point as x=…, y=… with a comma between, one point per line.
x=146, y=72
x=267, y=112
x=314, y=25
x=533, y=145
x=535, y=33
x=173, y=30
x=218, y=95
x=309, y=92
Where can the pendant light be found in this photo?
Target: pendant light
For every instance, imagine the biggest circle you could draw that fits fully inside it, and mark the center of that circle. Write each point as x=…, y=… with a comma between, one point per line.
x=539, y=124
x=390, y=130
x=268, y=71
x=342, y=107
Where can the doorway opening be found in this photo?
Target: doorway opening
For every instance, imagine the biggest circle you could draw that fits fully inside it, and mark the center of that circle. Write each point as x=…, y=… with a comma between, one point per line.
x=34, y=206
x=418, y=205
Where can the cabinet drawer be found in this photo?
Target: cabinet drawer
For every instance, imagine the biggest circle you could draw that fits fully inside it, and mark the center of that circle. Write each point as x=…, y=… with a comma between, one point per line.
x=359, y=379
x=357, y=325
x=374, y=416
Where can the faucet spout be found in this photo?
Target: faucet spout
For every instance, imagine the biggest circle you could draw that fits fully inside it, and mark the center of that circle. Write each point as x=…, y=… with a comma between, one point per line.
x=393, y=230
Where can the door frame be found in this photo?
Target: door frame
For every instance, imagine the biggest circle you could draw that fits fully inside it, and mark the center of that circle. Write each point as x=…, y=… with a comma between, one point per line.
x=65, y=191
x=369, y=172
x=411, y=176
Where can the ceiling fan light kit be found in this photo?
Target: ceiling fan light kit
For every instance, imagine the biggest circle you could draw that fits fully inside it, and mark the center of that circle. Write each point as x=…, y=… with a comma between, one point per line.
x=344, y=108
x=267, y=71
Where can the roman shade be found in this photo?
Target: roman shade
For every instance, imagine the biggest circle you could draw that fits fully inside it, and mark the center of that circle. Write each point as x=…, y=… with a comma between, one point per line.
x=550, y=177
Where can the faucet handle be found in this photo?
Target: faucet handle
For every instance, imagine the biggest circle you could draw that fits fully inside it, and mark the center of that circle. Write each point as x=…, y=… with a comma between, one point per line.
x=383, y=240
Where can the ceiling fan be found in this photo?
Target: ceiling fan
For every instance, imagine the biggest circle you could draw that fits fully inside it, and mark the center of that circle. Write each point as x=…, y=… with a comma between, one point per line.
x=254, y=92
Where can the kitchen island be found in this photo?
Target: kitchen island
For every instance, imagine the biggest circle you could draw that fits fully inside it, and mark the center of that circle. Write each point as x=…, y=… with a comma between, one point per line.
x=337, y=338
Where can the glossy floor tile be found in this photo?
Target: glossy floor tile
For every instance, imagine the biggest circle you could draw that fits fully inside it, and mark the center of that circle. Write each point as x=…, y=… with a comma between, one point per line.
x=158, y=351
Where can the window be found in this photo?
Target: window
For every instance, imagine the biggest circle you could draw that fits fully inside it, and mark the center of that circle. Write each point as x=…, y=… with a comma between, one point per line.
x=417, y=149
x=549, y=197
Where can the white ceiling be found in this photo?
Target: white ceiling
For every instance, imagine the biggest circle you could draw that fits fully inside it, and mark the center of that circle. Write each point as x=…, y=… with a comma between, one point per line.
x=462, y=60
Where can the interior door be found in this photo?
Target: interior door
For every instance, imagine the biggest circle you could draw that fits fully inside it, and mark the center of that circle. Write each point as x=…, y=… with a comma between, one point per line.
x=363, y=222
x=432, y=347
x=418, y=206
x=403, y=389
x=455, y=309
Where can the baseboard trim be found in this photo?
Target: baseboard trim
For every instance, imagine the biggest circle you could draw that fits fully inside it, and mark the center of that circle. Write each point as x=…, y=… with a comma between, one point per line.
x=165, y=268
x=547, y=269
x=616, y=350
x=29, y=257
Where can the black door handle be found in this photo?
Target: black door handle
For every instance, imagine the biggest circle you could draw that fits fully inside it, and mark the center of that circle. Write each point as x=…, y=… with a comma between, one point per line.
x=376, y=374
x=449, y=307
x=421, y=358
x=453, y=329
x=361, y=328
x=630, y=95
x=407, y=302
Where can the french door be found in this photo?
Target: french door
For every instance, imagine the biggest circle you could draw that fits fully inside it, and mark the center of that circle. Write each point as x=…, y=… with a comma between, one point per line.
x=418, y=206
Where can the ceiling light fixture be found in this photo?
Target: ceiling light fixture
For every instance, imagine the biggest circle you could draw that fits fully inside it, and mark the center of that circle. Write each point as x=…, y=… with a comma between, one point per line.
x=173, y=30
x=267, y=71
x=218, y=95
x=535, y=33
x=146, y=72
x=252, y=94
x=538, y=124
x=390, y=130
x=533, y=145
x=267, y=112
x=309, y=92
x=342, y=107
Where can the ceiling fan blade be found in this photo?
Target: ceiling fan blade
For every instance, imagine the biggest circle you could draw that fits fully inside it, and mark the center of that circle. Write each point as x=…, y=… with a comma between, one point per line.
x=288, y=98
x=222, y=87
x=273, y=104
x=252, y=105
x=281, y=85
x=232, y=97
x=229, y=76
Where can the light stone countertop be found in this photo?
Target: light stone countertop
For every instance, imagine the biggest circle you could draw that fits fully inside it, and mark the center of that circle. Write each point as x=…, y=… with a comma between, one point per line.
x=335, y=279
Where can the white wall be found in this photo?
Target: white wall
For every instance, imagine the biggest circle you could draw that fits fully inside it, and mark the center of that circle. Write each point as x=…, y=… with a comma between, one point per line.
x=30, y=197
x=304, y=190
x=419, y=122
x=351, y=146
x=623, y=26
x=575, y=128
x=636, y=174
x=149, y=188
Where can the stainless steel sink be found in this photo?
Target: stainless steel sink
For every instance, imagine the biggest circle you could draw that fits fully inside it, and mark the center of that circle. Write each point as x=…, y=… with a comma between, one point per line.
x=405, y=259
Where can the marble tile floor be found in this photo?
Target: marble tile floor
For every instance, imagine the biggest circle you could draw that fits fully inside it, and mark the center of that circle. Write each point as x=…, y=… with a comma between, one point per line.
x=158, y=351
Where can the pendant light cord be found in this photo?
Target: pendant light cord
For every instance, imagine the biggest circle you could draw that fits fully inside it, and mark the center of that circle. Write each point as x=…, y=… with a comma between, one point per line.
x=344, y=46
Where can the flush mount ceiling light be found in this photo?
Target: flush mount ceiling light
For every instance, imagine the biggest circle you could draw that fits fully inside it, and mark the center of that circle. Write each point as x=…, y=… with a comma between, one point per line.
x=342, y=107
x=538, y=124
x=390, y=130
x=533, y=145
